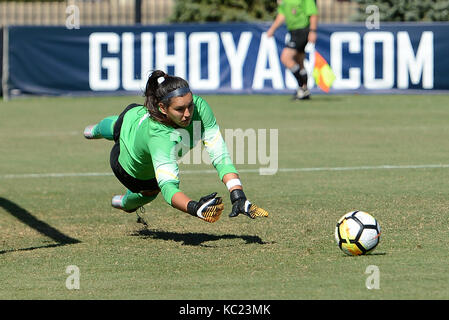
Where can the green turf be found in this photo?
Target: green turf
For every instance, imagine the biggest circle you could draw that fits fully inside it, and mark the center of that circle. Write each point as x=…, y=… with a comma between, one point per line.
x=47, y=224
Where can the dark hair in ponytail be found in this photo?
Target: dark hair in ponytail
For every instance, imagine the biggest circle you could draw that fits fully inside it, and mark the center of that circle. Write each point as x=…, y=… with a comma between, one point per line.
x=157, y=89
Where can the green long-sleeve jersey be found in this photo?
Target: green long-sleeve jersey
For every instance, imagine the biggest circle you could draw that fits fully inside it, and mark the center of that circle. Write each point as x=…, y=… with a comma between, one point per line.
x=297, y=12
x=150, y=149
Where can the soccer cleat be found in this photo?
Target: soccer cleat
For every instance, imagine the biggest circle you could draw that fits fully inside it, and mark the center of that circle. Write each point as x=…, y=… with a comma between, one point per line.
x=302, y=94
x=117, y=202
x=89, y=132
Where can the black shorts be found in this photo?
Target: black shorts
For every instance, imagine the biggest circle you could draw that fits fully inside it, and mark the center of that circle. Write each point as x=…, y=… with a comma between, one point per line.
x=133, y=184
x=298, y=39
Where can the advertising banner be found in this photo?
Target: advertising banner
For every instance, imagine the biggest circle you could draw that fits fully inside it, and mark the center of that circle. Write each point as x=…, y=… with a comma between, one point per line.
x=235, y=58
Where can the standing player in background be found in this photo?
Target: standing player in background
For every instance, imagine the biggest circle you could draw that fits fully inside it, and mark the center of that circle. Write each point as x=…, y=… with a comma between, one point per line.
x=147, y=144
x=301, y=18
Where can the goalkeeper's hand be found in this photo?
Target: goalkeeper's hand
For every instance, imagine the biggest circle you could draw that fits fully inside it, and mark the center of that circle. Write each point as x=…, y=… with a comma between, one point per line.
x=208, y=208
x=240, y=204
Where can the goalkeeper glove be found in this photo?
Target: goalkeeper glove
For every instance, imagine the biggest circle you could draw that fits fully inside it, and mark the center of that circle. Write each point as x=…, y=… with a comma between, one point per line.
x=208, y=208
x=240, y=204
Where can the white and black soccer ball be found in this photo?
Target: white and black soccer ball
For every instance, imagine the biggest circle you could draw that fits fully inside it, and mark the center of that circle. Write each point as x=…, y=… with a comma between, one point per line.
x=357, y=233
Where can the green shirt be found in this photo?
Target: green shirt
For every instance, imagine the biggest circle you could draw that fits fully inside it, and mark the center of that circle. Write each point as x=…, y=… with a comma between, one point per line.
x=297, y=12
x=149, y=149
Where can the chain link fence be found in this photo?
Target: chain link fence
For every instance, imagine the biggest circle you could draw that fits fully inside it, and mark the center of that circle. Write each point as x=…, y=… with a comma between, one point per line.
x=125, y=12
x=91, y=12
x=336, y=11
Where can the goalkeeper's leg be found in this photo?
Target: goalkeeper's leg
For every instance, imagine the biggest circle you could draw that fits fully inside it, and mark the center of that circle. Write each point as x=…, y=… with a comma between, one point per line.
x=131, y=201
x=103, y=129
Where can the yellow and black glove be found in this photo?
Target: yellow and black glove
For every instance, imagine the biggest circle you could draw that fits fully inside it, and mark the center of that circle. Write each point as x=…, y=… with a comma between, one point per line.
x=208, y=208
x=240, y=204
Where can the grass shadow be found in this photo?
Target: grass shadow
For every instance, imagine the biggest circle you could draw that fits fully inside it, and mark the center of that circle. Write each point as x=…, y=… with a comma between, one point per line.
x=195, y=238
x=40, y=226
x=33, y=248
x=319, y=98
x=366, y=255
x=377, y=254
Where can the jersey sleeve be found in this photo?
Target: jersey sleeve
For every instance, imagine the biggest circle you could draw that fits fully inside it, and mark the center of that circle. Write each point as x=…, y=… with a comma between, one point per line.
x=281, y=8
x=213, y=140
x=311, y=8
x=163, y=153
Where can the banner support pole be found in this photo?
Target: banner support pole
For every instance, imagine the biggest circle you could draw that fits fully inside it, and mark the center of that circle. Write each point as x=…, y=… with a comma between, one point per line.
x=5, y=75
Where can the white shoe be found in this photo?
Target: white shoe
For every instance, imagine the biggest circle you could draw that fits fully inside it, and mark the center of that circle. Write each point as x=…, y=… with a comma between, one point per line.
x=302, y=94
x=117, y=202
x=89, y=134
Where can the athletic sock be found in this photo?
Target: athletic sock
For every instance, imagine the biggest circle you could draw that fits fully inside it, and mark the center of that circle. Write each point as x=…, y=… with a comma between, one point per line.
x=105, y=128
x=133, y=201
x=303, y=77
x=296, y=72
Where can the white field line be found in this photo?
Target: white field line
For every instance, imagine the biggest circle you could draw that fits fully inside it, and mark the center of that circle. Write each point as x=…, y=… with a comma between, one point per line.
x=102, y=174
x=45, y=134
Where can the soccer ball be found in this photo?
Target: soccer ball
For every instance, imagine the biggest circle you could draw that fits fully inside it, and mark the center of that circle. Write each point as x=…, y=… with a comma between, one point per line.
x=357, y=233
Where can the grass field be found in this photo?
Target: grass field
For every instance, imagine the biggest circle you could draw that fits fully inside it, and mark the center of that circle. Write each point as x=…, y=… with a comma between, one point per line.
x=49, y=222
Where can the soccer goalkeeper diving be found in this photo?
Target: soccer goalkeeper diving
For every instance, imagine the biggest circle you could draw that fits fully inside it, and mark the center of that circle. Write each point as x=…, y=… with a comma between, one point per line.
x=147, y=142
